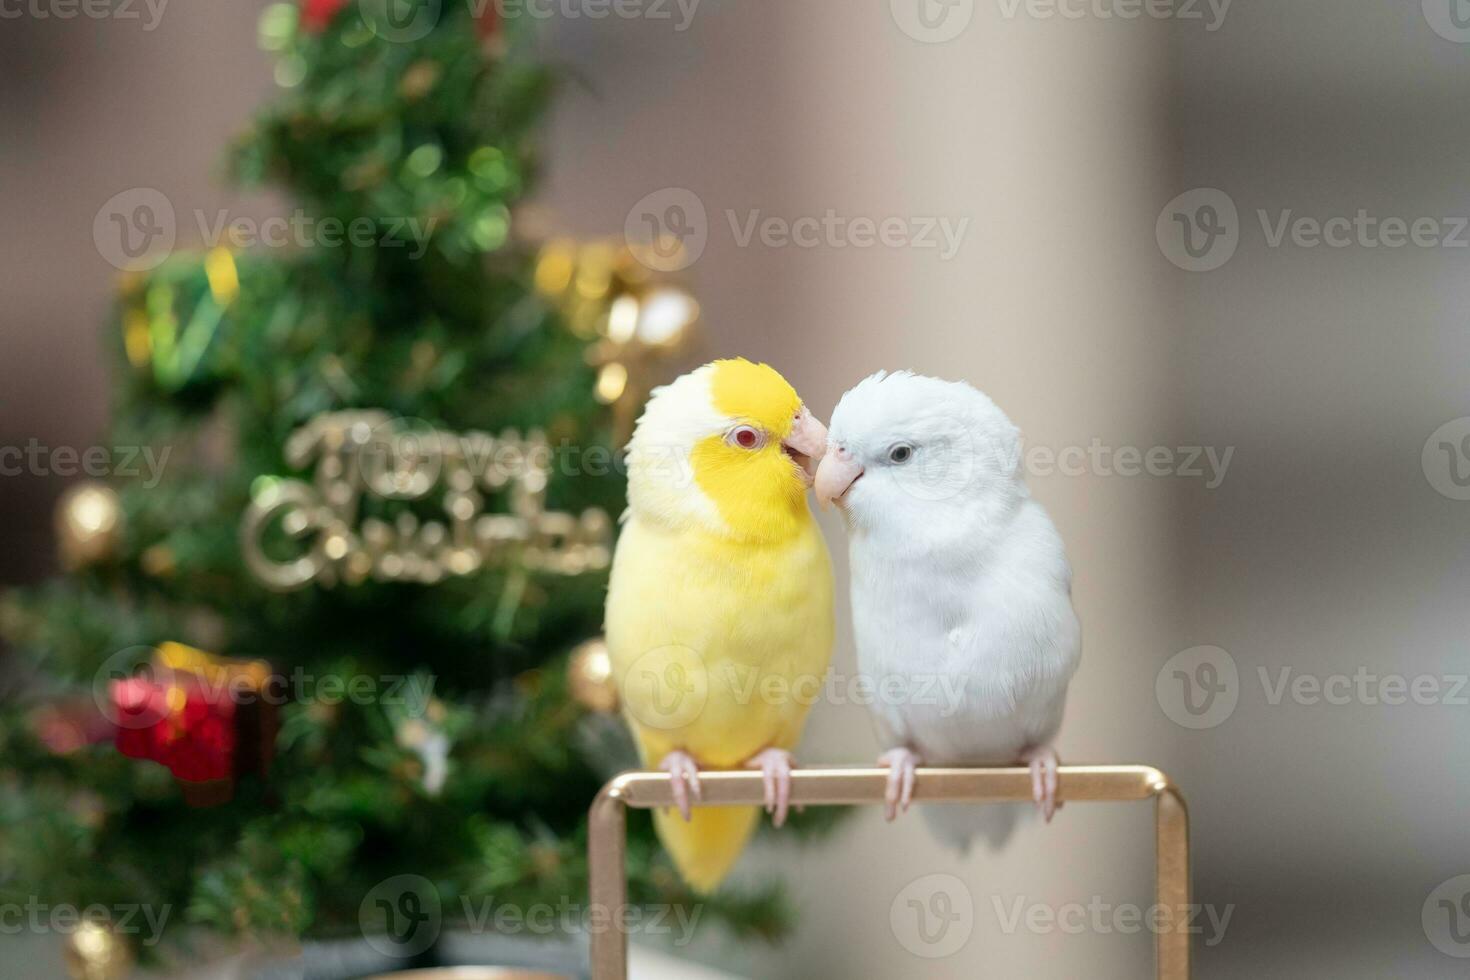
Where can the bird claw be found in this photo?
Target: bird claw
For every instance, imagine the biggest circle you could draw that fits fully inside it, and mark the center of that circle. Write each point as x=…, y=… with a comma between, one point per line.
x=899, y=793
x=685, y=772
x=1044, y=763
x=775, y=766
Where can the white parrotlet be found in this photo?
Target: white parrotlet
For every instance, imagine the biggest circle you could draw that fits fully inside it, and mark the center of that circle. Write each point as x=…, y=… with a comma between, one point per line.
x=720, y=584
x=957, y=573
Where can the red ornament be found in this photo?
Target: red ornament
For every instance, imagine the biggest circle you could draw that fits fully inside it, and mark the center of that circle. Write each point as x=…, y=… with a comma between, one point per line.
x=209, y=719
x=178, y=722
x=317, y=15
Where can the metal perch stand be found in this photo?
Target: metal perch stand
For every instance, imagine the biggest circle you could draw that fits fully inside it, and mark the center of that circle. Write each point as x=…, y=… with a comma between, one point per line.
x=607, y=839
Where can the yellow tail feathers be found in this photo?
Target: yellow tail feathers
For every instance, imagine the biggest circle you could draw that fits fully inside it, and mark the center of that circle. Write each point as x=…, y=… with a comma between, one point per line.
x=706, y=848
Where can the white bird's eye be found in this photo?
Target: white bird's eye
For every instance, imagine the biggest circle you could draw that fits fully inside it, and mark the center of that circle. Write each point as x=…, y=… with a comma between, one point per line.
x=901, y=453
x=746, y=437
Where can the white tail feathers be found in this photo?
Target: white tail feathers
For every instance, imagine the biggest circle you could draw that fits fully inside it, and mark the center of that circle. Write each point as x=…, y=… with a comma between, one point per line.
x=957, y=825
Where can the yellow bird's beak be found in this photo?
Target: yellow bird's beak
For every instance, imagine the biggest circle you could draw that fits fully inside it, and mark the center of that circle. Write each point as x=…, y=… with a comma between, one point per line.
x=806, y=443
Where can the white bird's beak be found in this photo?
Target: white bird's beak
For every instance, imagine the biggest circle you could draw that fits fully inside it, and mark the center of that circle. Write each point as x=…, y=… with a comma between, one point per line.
x=838, y=472
x=806, y=443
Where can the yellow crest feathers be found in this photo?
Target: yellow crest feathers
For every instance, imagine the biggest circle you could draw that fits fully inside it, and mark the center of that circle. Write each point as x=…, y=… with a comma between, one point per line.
x=754, y=392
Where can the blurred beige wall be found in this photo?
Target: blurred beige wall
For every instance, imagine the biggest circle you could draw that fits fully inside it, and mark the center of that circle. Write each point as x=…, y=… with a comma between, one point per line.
x=1328, y=552
x=89, y=108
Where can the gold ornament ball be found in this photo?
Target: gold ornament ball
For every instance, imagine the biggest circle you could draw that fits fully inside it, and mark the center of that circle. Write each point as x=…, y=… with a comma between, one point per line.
x=95, y=952
x=89, y=524
x=589, y=675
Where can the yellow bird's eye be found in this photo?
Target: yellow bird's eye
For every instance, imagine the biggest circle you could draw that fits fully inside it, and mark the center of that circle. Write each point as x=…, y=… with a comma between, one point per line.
x=746, y=437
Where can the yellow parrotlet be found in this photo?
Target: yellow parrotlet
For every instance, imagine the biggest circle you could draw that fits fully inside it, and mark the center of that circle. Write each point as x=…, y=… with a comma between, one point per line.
x=719, y=613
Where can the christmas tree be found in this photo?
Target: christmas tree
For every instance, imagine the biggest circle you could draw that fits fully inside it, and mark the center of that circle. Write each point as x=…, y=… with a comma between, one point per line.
x=330, y=643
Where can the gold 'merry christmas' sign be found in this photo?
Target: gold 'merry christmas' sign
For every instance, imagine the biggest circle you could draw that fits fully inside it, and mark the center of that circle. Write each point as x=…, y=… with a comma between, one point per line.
x=368, y=454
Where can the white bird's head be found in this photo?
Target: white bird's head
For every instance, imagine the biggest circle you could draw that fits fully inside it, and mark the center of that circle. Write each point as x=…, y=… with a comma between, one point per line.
x=904, y=443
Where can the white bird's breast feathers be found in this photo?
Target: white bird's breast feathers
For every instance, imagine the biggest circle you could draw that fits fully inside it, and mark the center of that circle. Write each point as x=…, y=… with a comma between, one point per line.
x=1003, y=636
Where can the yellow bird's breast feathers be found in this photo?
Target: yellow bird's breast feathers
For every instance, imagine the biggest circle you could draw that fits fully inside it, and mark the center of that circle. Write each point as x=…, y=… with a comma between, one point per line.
x=718, y=647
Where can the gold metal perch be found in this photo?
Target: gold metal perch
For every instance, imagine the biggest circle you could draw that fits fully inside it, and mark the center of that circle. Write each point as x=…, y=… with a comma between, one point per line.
x=607, y=835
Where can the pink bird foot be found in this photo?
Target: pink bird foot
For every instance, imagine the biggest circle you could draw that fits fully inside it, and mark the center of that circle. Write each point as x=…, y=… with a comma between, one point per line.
x=775, y=766
x=685, y=770
x=900, y=763
x=1044, y=762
